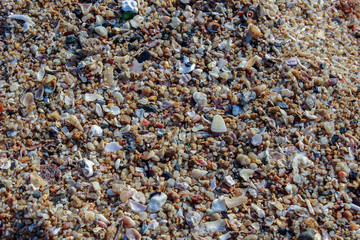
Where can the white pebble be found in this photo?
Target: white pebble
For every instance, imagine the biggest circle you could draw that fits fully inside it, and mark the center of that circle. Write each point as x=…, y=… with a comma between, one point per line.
x=218, y=124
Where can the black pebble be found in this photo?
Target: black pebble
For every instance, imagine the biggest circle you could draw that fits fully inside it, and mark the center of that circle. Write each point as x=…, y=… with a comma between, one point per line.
x=131, y=47
x=166, y=175
x=70, y=39
x=353, y=175
x=144, y=56
x=177, y=167
x=307, y=234
x=282, y=231
x=116, y=40
x=37, y=194
x=78, y=13
x=335, y=138
x=342, y=130
x=2, y=185
x=322, y=65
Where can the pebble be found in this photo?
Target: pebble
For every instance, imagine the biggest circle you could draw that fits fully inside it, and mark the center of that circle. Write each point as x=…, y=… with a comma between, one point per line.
x=247, y=97
x=36, y=180
x=156, y=202
x=102, y=31
x=144, y=56
x=218, y=124
x=136, y=21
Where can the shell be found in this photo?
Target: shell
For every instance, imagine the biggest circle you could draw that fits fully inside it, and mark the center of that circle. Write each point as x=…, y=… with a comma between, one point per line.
x=200, y=99
x=112, y=147
x=235, y=202
x=87, y=167
x=156, y=202
x=127, y=222
x=95, y=131
x=39, y=93
x=254, y=31
x=136, y=207
x=27, y=99
x=193, y=218
x=252, y=61
x=218, y=124
x=197, y=173
x=126, y=195
x=50, y=83
x=218, y=205
x=129, y=6
x=132, y=234
x=218, y=225
x=74, y=121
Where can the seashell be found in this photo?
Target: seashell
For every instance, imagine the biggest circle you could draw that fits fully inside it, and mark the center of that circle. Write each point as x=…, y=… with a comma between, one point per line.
x=254, y=31
x=256, y=140
x=112, y=147
x=197, y=173
x=193, y=218
x=139, y=197
x=218, y=205
x=27, y=99
x=126, y=195
x=114, y=110
x=229, y=181
x=89, y=97
x=186, y=66
x=109, y=75
x=119, y=97
x=129, y=6
x=127, y=222
x=95, y=131
x=213, y=184
x=136, y=207
x=117, y=188
x=200, y=99
x=101, y=217
x=50, y=83
x=156, y=202
x=40, y=74
x=213, y=27
x=246, y=174
x=24, y=18
x=259, y=211
x=214, y=226
x=309, y=115
x=74, y=121
x=132, y=234
x=85, y=7
x=218, y=124
x=39, y=93
x=235, y=202
x=252, y=61
x=98, y=110
x=291, y=61
x=89, y=216
x=87, y=167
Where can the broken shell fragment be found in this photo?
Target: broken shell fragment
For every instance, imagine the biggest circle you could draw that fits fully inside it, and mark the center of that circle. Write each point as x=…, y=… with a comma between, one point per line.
x=193, y=218
x=218, y=124
x=87, y=167
x=27, y=99
x=132, y=234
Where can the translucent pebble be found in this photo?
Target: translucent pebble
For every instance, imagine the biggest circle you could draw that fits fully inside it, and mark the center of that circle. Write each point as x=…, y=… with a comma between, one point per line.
x=197, y=173
x=156, y=202
x=115, y=110
x=246, y=174
x=112, y=147
x=95, y=131
x=192, y=218
x=218, y=205
x=136, y=207
x=200, y=99
x=235, y=202
x=256, y=140
x=259, y=211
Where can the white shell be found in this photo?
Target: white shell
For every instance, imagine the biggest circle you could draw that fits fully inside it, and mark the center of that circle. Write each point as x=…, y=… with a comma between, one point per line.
x=218, y=205
x=197, y=173
x=136, y=207
x=200, y=99
x=229, y=181
x=112, y=147
x=156, y=202
x=193, y=218
x=88, y=168
x=218, y=124
x=218, y=225
x=95, y=131
x=235, y=202
x=115, y=110
x=246, y=174
x=129, y=6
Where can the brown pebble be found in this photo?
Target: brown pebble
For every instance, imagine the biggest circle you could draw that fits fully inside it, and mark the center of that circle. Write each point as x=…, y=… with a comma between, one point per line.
x=125, y=119
x=348, y=215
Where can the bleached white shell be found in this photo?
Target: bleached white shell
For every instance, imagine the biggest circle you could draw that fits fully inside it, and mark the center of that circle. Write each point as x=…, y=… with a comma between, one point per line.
x=218, y=205
x=246, y=174
x=192, y=218
x=112, y=147
x=218, y=225
x=95, y=131
x=197, y=173
x=88, y=168
x=200, y=99
x=218, y=124
x=235, y=202
x=156, y=202
x=136, y=207
x=129, y=6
